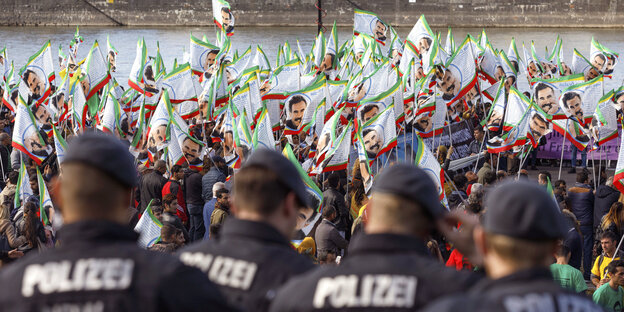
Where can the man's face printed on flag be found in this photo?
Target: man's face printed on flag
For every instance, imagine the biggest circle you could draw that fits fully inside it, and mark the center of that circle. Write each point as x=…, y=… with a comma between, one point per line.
x=356, y=94
x=34, y=82
x=265, y=88
x=209, y=60
x=495, y=119
x=380, y=31
x=348, y=113
x=471, y=94
x=42, y=115
x=591, y=74
x=369, y=111
x=372, y=142
x=226, y=18
x=567, y=71
x=191, y=150
x=84, y=83
x=538, y=126
x=32, y=144
x=545, y=97
x=573, y=105
x=619, y=100
x=157, y=136
x=533, y=69
x=323, y=144
x=304, y=217
x=112, y=60
x=509, y=82
x=423, y=124
x=408, y=108
x=598, y=61
x=499, y=73
x=423, y=45
x=327, y=63
x=296, y=106
x=420, y=73
x=228, y=142
x=449, y=85
x=610, y=65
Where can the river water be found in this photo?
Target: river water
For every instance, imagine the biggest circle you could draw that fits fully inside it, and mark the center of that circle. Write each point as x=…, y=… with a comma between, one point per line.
x=22, y=42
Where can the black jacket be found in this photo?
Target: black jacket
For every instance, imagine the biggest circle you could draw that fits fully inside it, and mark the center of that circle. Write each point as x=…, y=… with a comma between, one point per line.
x=332, y=196
x=581, y=199
x=605, y=197
x=386, y=272
x=522, y=291
x=151, y=188
x=99, y=265
x=193, y=188
x=248, y=262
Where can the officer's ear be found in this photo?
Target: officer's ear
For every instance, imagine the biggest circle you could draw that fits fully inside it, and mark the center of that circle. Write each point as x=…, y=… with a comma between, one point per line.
x=290, y=206
x=480, y=240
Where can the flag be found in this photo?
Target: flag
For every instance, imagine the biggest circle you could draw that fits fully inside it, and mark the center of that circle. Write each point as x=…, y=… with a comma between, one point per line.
x=95, y=77
x=38, y=74
x=338, y=158
x=44, y=199
x=579, y=101
x=618, y=178
x=300, y=107
x=202, y=55
x=459, y=76
x=148, y=228
x=23, y=192
x=75, y=42
x=369, y=23
x=59, y=144
x=379, y=133
x=313, y=191
x=263, y=133
x=606, y=128
x=135, y=80
x=494, y=118
x=26, y=136
x=223, y=17
x=111, y=55
x=111, y=118
x=427, y=161
x=421, y=36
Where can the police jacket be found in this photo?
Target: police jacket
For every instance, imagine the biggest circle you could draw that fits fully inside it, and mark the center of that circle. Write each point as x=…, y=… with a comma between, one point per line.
x=386, y=272
x=99, y=267
x=249, y=262
x=525, y=290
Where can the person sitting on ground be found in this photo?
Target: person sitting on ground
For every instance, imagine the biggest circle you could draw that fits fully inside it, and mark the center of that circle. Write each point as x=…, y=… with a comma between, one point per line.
x=610, y=295
x=566, y=275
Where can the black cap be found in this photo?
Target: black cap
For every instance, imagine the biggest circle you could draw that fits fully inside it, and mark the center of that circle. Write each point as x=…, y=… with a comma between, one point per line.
x=524, y=210
x=104, y=152
x=283, y=168
x=411, y=183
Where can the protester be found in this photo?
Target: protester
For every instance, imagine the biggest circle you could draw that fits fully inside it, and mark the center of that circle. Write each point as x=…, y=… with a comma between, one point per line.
x=581, y=203
x=608, y=242
x=403, y=209
x=327, y=237
x=209, y=207
x=169, y=241
x=222, y=207
x=152, y=184
x=194, y=203
x=333, y=197
x=169, y=215
x=573, y=240
x=611, y=295
x=212, y=176
x=564, y=274
x=606, y=195
x=458, y=196
x=516, y=252
x=613, y=221
x=174, y=187
x=487, y=167
x=95, y=189
x=268, y=194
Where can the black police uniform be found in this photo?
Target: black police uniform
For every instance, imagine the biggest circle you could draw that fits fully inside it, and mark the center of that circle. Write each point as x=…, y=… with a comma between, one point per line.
x=249, y=262
x=387, y=272
x=527, y=290
x=99, y=267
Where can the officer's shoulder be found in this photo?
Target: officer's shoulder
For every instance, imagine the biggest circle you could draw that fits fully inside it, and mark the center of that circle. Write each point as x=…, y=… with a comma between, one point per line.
x=452, y=303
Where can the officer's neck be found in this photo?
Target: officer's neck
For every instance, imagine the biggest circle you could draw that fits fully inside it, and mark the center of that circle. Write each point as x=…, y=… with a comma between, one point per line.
x=272, y=220
x=497, y=267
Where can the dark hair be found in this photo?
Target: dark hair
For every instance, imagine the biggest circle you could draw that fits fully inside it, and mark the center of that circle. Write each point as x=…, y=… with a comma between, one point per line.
x=366, y=109
x=542, y=86
x=480, y=129
x=176, y=169
x=545, y=173
x=31, y=224
x=568, y=96
x=149, y=72
x=13, y=176
x=460, y=181
x=259, y=189
x=367, y=131
x=333, y=179
x=295, y=99
x=168, y=199
x=26, y=74
x=613, y=265
x=328, y=211
x=582, y=177
x=563, y=251
x=167, y=232
x=539, y=117
x=609, y=235
x=447, y=96
x=559, y=183
x=489, y=177
x=220, y=192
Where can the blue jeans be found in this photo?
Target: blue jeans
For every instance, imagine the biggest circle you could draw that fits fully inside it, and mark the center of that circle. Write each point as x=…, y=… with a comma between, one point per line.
x=196, y=222
x=583, y=157
x=588, y=244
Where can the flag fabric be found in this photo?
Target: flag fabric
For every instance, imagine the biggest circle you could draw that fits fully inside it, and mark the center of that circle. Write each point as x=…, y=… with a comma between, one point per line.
x=148, y=228
x=223, y=17
x=370, y=24
x=26, y=136
x=424, y=159
x=23, y=192
x=379, y=133
x=38, y=74
x=59, y=144
x=263, y=133
x=44, y=199
x=618, y=178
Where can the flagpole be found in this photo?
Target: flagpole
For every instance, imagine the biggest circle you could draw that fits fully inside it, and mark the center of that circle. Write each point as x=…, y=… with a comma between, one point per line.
x=594, y=170
x=562, y=149
x=522, y=161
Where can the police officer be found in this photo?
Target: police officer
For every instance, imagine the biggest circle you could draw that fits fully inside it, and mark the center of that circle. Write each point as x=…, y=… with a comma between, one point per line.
x=389, y=267
x=98, y=265
x=253, y=255
x=517, y=239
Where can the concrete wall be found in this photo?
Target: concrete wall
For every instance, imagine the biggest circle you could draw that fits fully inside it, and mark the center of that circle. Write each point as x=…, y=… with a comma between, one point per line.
x=470, y=13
